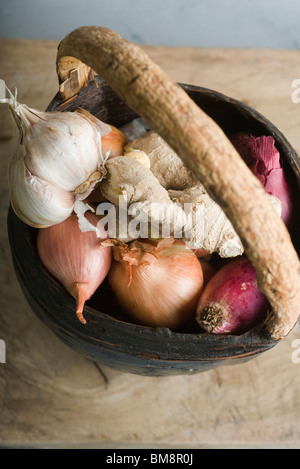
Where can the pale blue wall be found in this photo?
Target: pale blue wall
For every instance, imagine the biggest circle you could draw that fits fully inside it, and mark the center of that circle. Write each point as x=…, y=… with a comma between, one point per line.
x=209, y=23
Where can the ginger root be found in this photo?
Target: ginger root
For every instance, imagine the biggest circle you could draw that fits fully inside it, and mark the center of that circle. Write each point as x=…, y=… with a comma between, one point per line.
x=128, y=178
x=130, y=185
x=165, y=164
x=206, y=226
x=167, y=200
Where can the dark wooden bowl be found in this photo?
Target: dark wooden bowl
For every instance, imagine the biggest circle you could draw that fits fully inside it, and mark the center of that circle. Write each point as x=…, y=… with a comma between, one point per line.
x=107, y=337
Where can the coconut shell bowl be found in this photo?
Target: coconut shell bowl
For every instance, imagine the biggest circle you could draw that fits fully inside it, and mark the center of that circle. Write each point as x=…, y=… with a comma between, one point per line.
x=116, y=82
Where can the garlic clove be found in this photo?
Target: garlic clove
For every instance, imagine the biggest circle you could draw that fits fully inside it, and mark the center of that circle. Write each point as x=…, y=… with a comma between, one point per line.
x=35, y=201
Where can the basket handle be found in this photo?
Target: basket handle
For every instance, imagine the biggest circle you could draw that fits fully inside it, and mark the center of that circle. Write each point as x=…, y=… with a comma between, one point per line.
x=205, y=149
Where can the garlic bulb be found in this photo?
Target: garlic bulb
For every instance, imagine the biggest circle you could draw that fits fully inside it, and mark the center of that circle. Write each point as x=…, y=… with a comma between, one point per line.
x=57, y=163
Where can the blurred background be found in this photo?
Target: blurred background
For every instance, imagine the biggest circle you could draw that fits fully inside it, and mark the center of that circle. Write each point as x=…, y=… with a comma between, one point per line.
x=207, y=23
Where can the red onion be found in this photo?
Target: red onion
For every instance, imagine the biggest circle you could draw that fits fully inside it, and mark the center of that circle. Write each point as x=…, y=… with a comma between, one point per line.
x=263, y=159
x=242, y=143
x=231, y=302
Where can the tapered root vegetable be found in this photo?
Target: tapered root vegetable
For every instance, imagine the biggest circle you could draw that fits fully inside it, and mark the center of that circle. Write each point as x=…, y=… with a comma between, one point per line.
x=231, y=302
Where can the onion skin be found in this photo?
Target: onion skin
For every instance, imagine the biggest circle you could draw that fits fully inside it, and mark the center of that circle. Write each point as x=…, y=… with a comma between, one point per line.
x=113, y=143
x=231, y=302
x=208, y=271
x=201, y=253
x=242, y=143
x=267, y=168
x=263, y=159
x=75, y=258
x=157, y=284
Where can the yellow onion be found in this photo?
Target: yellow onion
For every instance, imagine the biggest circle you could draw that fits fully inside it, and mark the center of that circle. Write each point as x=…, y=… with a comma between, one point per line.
x=113, y=144
x=75, y=258
x=157, y=283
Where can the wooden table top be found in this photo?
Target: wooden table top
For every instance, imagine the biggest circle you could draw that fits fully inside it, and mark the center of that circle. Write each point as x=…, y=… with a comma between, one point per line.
x=50, y=396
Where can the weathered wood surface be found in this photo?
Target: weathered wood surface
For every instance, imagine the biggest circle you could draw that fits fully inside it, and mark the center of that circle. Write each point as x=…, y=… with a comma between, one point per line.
x=50, y=396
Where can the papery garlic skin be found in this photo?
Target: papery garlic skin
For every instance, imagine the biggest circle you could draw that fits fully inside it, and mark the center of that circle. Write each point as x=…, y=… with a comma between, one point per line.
x=62, y=148
x=38, y=203
x=57, y=163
